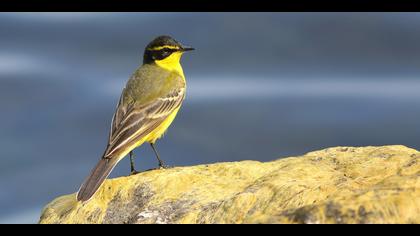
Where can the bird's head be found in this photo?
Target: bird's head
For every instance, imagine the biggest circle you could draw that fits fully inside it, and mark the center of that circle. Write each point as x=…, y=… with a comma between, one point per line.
x=164, y=49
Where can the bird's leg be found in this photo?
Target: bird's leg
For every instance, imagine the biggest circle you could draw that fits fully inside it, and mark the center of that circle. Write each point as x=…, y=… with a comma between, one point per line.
x=161, y=164
x=133, y=170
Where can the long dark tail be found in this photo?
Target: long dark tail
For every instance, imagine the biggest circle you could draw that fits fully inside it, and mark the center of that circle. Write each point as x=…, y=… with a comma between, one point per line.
x=96, y=178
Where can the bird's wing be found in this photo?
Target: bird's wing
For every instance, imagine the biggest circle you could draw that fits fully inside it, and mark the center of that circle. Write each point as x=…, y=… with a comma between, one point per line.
x=133, y=122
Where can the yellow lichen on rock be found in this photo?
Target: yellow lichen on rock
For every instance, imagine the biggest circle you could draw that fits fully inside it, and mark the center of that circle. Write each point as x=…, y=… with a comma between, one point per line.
x=335, y=185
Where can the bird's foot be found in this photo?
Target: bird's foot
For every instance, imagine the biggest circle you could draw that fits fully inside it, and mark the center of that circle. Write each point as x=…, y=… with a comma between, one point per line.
x=162, y=167
x=134, y=172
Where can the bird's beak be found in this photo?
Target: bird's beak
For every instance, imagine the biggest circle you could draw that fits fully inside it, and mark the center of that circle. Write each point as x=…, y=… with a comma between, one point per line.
x=187, y=48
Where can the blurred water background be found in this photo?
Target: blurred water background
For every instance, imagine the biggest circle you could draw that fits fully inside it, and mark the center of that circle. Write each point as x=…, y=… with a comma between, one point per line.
x=260, y=86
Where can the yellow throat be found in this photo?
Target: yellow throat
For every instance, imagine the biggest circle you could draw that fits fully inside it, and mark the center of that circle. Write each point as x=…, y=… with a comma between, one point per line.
x=172, y=63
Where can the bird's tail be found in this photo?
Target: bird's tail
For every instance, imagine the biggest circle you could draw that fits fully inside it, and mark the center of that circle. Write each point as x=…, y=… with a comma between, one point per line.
x=96, y=178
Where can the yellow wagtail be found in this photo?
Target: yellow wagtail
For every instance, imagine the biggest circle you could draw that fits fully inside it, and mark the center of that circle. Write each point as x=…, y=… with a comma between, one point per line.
x=148, y=105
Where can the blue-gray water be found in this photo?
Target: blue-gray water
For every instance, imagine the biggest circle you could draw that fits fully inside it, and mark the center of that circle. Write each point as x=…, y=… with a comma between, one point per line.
x=260, y=86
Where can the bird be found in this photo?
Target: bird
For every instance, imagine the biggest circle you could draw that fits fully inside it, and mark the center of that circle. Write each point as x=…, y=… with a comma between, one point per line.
x=148, y=104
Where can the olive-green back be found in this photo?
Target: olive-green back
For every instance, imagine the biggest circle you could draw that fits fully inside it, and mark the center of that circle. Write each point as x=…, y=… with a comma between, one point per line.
x=150, y=82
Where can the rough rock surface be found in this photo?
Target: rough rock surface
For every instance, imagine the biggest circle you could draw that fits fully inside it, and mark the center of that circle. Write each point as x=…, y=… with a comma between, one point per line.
x=335, y=185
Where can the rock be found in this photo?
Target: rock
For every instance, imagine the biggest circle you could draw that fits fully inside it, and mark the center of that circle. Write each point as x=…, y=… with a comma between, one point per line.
x=335, y=185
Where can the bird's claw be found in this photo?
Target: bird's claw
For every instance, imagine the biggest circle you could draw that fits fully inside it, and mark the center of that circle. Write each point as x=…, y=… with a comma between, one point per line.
x=162, y=167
